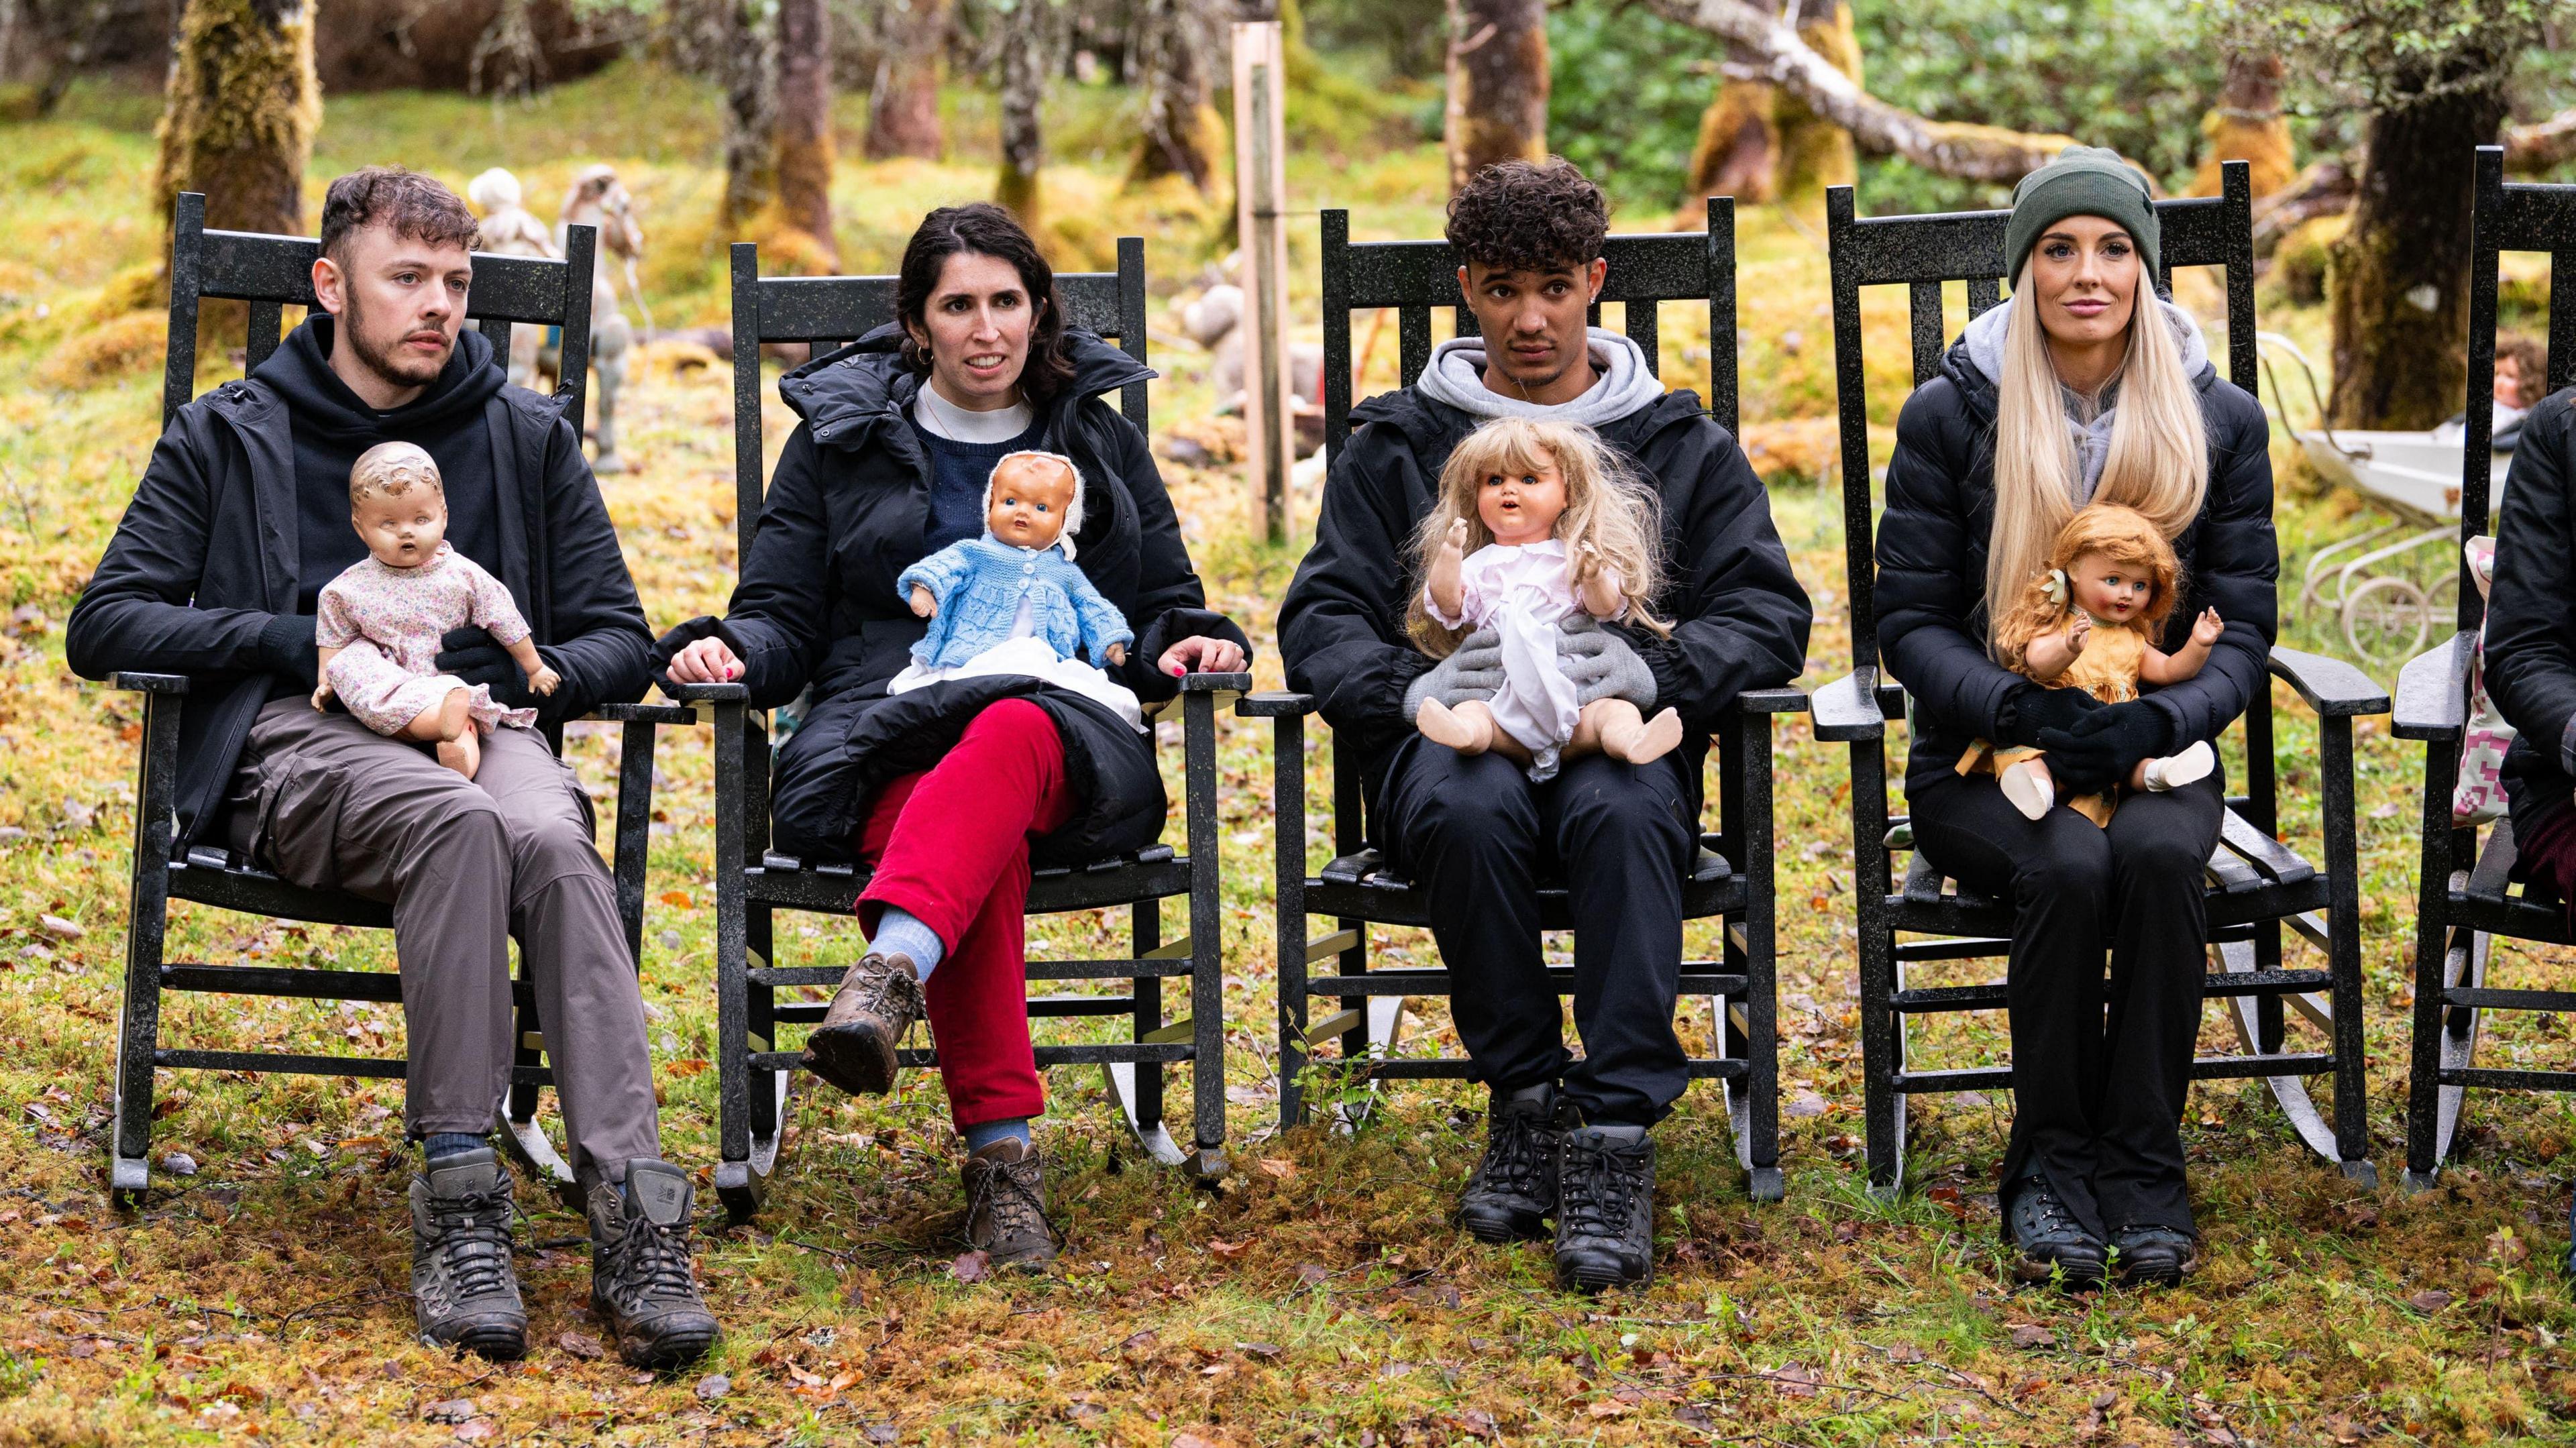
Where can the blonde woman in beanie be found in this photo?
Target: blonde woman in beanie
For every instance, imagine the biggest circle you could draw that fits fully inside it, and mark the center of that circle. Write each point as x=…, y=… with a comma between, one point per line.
x=2084, y=387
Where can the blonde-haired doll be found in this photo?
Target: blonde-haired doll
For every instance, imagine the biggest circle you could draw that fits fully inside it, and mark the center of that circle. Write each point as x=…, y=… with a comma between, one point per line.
x=2089, y=622
x=1556, y=524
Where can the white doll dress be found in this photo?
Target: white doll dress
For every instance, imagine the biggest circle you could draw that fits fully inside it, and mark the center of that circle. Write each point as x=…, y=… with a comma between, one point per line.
x=1521, y=593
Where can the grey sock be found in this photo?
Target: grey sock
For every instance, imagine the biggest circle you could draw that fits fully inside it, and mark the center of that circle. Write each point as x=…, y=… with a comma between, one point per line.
x=449, y=1143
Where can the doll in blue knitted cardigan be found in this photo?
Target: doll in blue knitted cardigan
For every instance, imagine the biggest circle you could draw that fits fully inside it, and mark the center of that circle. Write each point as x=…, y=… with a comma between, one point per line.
x=978, y=591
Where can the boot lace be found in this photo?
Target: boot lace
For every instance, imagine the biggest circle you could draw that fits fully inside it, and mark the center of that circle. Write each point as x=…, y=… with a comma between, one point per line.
x=653, y=1262
x=1514, y=1159
x=1599, y=1190
x=1008, y=1197
x=474, y=1241
x=891, y=994
x=2041, y=1208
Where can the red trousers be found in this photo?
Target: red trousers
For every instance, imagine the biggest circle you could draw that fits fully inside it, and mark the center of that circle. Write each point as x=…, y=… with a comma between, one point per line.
x=951, y=848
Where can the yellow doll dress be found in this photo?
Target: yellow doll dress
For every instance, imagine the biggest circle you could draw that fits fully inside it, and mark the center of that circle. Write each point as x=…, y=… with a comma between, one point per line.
x=2108, y=669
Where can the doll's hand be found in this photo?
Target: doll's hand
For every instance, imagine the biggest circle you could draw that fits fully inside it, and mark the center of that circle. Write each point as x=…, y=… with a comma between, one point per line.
x=322, y=696
x=1585, y=565
x=923, y=605
x=2077, y=632
x=544, y=680
x=1456, y=542
x=1117, y=654
x=2206, y=628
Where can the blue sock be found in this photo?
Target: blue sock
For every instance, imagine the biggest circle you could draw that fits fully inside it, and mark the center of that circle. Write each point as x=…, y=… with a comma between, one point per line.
x=901, y=931
x=450, y=1143
x=985, y=1133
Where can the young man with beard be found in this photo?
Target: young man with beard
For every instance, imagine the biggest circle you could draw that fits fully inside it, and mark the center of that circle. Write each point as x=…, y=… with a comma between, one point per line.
x=1567, y=1138
x=240, y=519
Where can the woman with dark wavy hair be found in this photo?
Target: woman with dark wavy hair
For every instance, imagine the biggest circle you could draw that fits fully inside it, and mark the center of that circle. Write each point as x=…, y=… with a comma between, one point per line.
x=950, y=790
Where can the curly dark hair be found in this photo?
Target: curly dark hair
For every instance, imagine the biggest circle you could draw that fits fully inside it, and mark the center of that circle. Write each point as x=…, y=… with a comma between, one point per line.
x=414, y=205
x=984, y=229
x=1520, y=216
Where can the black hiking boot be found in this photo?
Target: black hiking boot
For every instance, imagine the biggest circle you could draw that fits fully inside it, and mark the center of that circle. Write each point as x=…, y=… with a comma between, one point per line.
x=2152, y=1256
x=1006, y=1206
x=1512, y=1192
x=1605, y=1208
x=641, y=1288
x=463, y=1291
x=877, y=1003
x=2048, y=1238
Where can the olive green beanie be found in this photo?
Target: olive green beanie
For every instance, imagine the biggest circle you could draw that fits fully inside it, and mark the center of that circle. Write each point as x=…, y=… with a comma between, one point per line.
x=2082, y=181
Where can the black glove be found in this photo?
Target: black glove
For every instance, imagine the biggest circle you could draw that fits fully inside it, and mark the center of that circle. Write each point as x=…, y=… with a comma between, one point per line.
x=2032, y=707
x=473, y=656
x=286, y=648
x=2103, y=746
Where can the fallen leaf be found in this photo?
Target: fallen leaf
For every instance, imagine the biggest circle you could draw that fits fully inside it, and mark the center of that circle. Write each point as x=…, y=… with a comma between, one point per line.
x=1794, y=1381
x=1264, y=1350
x=1692, y=1415
x=972, y=1267
x=59, y=928
x=581, y=1345
x=713, y=1386
x=1905, y=1352
x=2429, y=1301
x=2029, y=1335
x=691, y=1067
x=1278, y=1166
x=449, y=1410
x=676, y=899
x=476, y=1430
x=2504, y=1248
x=1140, y=1342
x=1609, y=1408
x=1227, y=1250
x=1308, y=1274
x=882, y=1433
x=1190, y=1440
x=1474, y=1422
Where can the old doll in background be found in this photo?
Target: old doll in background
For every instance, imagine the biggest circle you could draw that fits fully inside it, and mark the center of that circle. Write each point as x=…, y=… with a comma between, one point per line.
x=1556, y=525
x=2089, y=622
x=379, y=623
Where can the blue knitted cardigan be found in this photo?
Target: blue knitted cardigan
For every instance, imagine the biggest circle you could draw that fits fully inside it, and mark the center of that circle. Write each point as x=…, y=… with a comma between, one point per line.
x=978, y=583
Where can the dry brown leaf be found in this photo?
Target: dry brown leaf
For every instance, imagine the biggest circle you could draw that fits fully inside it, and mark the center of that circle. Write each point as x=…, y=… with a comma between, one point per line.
x=971, y=1267
x=1278, y=1166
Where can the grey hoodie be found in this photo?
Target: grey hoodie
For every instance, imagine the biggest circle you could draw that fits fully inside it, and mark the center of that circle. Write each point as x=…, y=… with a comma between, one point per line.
x=1456, y=376
x=2092, y=434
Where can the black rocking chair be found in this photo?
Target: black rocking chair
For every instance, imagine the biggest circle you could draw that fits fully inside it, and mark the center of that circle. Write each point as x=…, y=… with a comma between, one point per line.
x=753, y=881
x=2461, y=907
x=2256, y=884
x=272, y=273
x=1732, y=877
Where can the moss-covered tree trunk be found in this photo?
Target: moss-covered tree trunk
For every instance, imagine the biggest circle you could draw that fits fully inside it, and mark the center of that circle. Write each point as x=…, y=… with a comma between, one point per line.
x=1497, y=85
x=751, y=110
x=238, y=118
x=1028, y=48
x=2398, y=281
x=805, y=122
x=903, y=103
x=1815, y=152
x=1182, y=136
x=2247, y=125
x=1737, y=146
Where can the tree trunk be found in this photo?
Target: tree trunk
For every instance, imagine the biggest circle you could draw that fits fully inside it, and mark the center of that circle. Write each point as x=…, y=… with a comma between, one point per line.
x=2542, y=144
x=1182, y=136
x=240, y=112
x=2398, y=282
x=805, y=122
x=903, y=104
x=2247, y=125
x=1814, y=151
x=751, y=110
x=1497, y=85
x=1028, y=53
x=1959, y=149
x=1738, y=147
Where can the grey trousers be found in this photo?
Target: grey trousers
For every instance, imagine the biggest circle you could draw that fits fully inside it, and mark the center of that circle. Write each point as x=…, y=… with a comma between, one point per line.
x=466, y=864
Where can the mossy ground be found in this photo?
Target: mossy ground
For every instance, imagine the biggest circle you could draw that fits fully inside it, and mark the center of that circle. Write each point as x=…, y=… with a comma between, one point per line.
x=1319, y=1296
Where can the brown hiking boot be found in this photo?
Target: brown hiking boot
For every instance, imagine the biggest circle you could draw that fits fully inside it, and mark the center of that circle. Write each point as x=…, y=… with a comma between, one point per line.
x=1006, y=1205
x=877, y=1003
x=641, y=1286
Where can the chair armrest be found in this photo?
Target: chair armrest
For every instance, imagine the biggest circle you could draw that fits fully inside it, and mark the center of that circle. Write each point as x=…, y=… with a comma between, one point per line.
x=1847, y=708
x=2433, y=690
x=705, y=693
x=1274, y=704
x=644, y=714
x=150, y=683
x=1772, y=701
x=2332, y=687
x=1205, y=683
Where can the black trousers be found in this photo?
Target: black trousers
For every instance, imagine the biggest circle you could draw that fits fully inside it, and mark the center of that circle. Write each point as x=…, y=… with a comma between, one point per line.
x=2100, y=1067
x=1476, y=836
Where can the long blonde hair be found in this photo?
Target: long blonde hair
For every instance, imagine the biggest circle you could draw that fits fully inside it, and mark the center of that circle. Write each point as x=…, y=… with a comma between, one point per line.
x=2159, y=458
x=2123, y=535
x=1606, y=505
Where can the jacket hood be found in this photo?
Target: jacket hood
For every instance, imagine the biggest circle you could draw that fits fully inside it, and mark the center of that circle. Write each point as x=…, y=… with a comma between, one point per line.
x=1435, y=426
x=1975, y=362
x=1456, y=376
x=299, y=371
x=843, y=395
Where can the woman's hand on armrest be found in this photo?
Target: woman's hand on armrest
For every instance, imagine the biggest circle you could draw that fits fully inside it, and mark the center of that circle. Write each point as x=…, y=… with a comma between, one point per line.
x=708, y=661
x=1201, y=654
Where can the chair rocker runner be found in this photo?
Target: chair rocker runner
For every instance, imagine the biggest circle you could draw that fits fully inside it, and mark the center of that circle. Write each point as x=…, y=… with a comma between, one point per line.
x=1732, y=875
x=272, y=273
x=2255, y=883
x=2467, y=894
x=754, y=882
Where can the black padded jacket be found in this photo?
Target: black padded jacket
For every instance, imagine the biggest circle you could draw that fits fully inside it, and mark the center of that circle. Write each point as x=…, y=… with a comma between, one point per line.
x=2531, y=612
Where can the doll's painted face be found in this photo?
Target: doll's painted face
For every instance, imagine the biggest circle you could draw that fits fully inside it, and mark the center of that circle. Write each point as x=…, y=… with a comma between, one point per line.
x=1030, y=496
x=2110, y=591
x=1520, y=506
x=397, y=504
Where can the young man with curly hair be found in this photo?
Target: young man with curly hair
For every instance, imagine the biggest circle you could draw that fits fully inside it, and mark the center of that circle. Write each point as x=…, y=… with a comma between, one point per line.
x=1567, y=1137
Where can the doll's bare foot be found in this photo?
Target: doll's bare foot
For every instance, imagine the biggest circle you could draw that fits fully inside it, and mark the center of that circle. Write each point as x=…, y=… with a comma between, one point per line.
x=1469, y=728
x=443, y=720
x=464, y=753
x=2029, y=787
x=1630, y=738
x=2175, y=770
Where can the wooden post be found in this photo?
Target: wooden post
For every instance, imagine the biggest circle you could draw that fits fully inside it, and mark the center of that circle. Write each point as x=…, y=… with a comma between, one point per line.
x=1261, y=188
